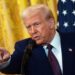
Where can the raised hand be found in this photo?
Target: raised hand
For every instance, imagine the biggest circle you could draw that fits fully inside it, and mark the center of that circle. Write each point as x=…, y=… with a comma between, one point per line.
x=4, y=55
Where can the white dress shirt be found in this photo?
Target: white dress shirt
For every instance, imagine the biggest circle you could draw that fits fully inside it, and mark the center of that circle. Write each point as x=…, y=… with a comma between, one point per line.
x=56, y=49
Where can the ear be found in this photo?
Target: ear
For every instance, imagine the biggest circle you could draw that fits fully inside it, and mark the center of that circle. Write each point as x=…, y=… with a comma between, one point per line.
x=51, y=23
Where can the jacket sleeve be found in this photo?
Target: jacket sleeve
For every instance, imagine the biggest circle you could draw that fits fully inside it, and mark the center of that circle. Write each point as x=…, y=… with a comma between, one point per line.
x=14, y=66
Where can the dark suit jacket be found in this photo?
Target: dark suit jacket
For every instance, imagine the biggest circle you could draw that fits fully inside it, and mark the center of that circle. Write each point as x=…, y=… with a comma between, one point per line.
x=38, y=63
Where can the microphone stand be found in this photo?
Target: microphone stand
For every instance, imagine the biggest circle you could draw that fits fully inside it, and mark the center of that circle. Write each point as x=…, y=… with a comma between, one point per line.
x=26, y=56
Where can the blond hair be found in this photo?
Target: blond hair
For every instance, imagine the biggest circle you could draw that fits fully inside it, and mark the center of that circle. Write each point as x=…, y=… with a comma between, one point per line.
x=38, y=8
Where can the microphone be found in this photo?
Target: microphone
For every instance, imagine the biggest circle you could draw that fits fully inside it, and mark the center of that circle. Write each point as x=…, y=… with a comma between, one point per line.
x=26, y=56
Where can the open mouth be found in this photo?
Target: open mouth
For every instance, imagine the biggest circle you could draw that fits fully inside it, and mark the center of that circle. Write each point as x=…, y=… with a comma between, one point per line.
x=36, y=38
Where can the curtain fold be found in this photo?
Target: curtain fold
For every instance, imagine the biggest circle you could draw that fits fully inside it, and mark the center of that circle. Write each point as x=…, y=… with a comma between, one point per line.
x=52, y=4
x=12, y=28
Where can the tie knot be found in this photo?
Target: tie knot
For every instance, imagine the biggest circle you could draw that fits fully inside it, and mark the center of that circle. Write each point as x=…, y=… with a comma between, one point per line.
x=49, y=47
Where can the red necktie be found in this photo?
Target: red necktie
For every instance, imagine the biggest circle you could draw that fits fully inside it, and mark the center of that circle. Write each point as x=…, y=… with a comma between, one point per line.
x=53, y=61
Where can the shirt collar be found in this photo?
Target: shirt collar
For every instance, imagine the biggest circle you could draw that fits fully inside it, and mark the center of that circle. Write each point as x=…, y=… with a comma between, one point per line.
x=56, y=41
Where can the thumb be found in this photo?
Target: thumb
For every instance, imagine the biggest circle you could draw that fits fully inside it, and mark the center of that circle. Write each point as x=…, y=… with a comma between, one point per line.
x=6, y=56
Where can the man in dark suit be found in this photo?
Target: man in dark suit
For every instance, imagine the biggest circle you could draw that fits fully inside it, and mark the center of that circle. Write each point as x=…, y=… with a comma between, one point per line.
x=31, y=55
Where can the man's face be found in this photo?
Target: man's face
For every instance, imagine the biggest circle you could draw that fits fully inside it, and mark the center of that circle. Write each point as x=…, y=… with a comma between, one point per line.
x=40, y=29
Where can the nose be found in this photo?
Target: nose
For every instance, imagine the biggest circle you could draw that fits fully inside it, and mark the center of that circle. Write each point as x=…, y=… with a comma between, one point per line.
x=33, y=30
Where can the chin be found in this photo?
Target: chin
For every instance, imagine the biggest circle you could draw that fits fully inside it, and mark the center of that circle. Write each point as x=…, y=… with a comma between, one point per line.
x=39, y=42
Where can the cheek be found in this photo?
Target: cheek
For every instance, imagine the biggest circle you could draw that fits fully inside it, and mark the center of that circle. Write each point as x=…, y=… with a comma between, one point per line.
x=29, y=33
x=45, y=31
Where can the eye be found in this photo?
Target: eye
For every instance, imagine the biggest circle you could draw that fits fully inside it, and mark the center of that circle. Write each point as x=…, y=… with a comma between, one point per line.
x=37, y=23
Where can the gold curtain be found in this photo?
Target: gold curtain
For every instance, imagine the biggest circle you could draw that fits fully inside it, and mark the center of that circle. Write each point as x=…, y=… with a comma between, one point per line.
x=11, y=25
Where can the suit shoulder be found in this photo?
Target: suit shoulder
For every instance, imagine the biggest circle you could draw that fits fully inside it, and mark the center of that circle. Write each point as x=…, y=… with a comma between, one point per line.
x=22, y=43
x=68, y=38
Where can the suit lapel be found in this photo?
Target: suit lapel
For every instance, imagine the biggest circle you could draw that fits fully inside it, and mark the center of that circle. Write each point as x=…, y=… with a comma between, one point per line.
x=41, y=60
x=40, y=54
